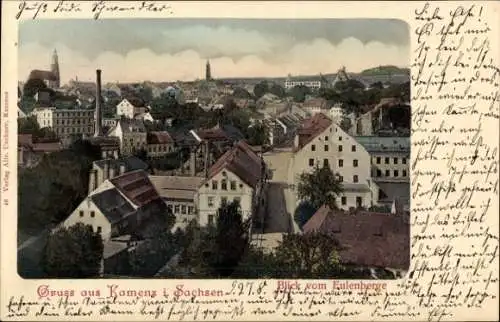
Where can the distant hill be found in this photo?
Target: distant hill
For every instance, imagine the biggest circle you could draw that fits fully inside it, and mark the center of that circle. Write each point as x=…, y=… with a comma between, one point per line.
x=385, y=70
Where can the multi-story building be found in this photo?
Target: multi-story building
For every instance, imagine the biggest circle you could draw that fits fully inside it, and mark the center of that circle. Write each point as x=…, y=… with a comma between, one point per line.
x=130, y=108
x=65, y=122
x=239, y=175
x=159, y=143
x=132, y=135
x=321, y=142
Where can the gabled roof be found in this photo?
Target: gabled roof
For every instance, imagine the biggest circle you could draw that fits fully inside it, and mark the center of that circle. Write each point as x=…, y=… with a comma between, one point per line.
x=159, y=137
x=135, y=101
x=42, y=74
x=137, y=187
x=132, y=125
x=367, y=238
x=112, y=204
x=312, y=127
x=242, y=161
x=215, y=134
x=131, y=163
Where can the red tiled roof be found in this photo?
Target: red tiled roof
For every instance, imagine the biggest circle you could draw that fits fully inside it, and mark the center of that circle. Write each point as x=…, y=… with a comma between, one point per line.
x=42, y=74
x=367, y=238
x=25, y=140
x=312, y=127
x=137, y=187
x=212, y=134
x=159, y=137
x=47, y=147
x=315, y=102
x=242, y=161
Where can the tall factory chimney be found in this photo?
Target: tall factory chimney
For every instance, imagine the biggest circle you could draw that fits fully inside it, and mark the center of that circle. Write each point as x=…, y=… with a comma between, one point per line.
x=98, y=102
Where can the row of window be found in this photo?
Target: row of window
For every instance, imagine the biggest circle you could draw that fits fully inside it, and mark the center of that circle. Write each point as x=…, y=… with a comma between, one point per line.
x=223, y=185
x=160, y=148
x=181, y=209
x=92, y=213
x=73, y=122
x=404, y=173
x=326, y=163
x=223, y=200
x=74, y=130
x=74, y=114
x=387, y=160
x=327, y=147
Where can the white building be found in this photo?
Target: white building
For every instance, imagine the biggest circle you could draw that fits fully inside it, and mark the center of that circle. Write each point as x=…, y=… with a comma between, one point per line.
x=120, y=206
x=159, y=143
x=132, y=135
x=321, y=142
x=65, y=122
x=237, y=176
x=129, y=109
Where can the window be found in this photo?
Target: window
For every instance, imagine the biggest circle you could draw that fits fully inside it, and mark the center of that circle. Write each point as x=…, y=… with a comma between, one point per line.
x=403, y=160
x=359, y=202
x=340, y=148
x=92, y=214
x=237, y=199
x=223, y=201
x=206, y=185
x=241, y=185
x=340, y=138
x=379, y=173
x=340, y=178
x=81, y=213
x=233, y=185
x=313, y=147
x=378, y=160
x=177, y=209
x=99, y=229
x=190, y=210
x=326, y=163
x=311, y=162
x=326, y=148
x=387, y=173
x=326, y=138
x=396, y=173
x=353, y=148
x=210, y=219
x=210, y=201
x=355, y=163
x=355, y=178
x=341, y=163
x=214, y=185
x=386, y=160
x=343, y=200
x=223, y=185
x=395, y=160
x=404, y=173
x=169, y=207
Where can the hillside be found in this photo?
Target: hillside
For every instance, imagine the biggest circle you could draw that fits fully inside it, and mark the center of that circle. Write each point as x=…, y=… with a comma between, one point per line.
x=385, y=70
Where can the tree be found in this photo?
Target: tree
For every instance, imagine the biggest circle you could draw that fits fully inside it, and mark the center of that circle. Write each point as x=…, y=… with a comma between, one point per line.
x=299, y=93
x=230, y=227
x=32, y=86
x=277, y=90
x=74, y=252
x=239, y=92
x=310, y=255
x=258, y=135
x=260, y=89
x=349, y=85
x=319, y=187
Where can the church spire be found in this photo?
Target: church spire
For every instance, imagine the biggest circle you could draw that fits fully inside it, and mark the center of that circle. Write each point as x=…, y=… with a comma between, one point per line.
x=54, y=68
x=208, y=72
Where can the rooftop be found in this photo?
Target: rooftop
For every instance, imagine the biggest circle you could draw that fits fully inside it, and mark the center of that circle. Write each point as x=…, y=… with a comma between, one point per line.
x=312, y=127
x=367, y=238
x=159, y=137
x=175, y=187
x=384, y=144
x=136, y=186
x=112, y=204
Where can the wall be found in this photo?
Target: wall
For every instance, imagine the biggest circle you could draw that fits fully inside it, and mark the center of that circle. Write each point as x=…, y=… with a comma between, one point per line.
x=99, y=220
x=243, y=191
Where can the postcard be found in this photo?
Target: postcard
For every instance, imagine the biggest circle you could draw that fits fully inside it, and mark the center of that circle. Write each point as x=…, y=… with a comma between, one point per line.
x=250, y=161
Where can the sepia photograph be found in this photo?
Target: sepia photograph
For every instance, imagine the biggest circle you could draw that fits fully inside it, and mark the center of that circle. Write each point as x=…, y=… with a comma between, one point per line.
x=204, y=148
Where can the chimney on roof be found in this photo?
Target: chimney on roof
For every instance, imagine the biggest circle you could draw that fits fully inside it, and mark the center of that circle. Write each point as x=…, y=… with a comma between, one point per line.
x=98, y=112
x=106, y=170
x=207, y=151
x=123, y=168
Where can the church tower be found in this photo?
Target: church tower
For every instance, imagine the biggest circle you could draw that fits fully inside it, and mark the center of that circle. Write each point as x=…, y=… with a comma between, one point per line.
x=54, y=68
x=208, y=73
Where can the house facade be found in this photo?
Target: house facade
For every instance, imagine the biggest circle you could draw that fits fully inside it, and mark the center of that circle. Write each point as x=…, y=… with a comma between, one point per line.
x=129, y=109
x=132, y=135
x=239, y=175
x=159, y=143
x=65, y=122
x=321, y=142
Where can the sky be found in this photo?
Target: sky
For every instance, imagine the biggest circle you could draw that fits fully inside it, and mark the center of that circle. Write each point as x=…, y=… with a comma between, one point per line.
x=132, y=50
